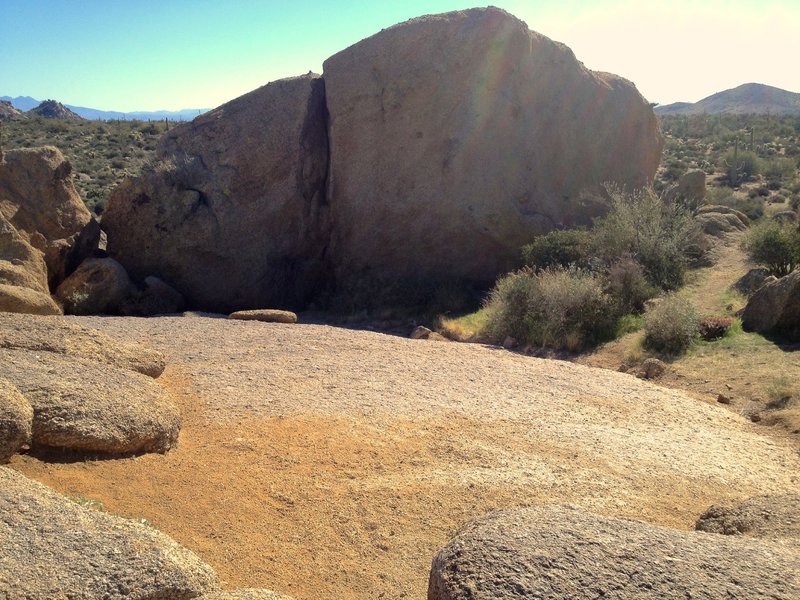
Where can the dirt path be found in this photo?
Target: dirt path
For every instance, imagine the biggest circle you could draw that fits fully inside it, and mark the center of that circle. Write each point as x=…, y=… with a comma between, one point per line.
x=324, y=462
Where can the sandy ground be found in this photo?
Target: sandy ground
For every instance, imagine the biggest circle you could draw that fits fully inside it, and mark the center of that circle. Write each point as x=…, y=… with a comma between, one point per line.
x=332, y=463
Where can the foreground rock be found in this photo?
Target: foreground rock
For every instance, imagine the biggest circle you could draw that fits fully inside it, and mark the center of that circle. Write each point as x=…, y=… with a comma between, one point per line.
x=232, y=213
x=88, y=407
x=776, y=517
x=38, y=198
x=718, y=220
x=749, y=283
x=267, y=315
x=58, y=335
x=98, y=286
x=16, y=418
x=154, y=297
x=50, y=547
x=247, y=594
x=457, y=137
x=556, y=553
x=775, y=308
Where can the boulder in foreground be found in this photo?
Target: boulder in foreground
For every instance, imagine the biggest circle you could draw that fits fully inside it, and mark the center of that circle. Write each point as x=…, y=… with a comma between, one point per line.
x=98, y=286
x=50, y=547
x=557, y=552
x=267, y=315
x=775, y=308
x=16, y=419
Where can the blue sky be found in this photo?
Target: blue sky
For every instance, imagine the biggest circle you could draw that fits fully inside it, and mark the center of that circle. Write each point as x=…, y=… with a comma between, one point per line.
x=173, y=54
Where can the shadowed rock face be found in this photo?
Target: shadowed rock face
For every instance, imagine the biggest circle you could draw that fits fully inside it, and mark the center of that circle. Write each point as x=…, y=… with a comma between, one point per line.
x=457, y=137
x=432, y=151
x=233, y=212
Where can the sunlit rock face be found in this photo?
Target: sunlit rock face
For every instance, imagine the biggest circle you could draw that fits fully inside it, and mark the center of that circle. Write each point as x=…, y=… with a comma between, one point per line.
x=455, y=138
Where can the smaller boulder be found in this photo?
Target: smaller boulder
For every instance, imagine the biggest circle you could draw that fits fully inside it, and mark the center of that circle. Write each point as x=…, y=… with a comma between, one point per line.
x=785, y=216
x=420, y=333
x=718, y=224
x=748, y=283
x=652, y=368
x=98, y=286
x=155, y=297
x=16, y=419
x=776, y=517
x=724, y=210
x=267, y=315
x=16, y=299
x=775, y=308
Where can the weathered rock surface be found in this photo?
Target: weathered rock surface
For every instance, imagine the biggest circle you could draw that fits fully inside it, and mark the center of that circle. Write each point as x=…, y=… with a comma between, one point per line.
x=652, y=368
x=748, y=283
x=785, y=216
x=52, y=109
x=84, y=406
x=776, y=517
x=719, y=220
x=16, y=417
x=267, y=315
x=9, y=113
x=154, y=297
x=98, y=286
x=233, y=212
x=557, y=552
x=775, y=308
x=456, y=137
x=690, y=188
x=50, y=547
x=59, y=335
x=23, y=275
x=38, y=198
x=246, y=594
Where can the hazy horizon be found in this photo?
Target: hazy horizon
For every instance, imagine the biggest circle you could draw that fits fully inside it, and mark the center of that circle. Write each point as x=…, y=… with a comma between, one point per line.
x=190, y=54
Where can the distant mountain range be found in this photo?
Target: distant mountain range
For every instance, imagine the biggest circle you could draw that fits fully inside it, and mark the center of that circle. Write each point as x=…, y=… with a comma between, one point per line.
x=26, y=103
x=750, y=98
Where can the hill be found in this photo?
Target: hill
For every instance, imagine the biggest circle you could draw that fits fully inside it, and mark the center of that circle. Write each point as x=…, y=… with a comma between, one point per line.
x=8, y=112
x=25, y=103
x=749, y=98
x=50, y=109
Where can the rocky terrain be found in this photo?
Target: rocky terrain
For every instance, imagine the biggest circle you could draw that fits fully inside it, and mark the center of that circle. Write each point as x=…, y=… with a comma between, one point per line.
x=51, y=109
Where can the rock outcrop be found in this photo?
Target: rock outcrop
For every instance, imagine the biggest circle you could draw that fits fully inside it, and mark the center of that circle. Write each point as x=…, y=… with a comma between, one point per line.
x=38, y=198
x=775, y=308
x=52, y=109
x=50, y=547
x=8, y=112
x=88, y=407
x=556, y=552
x=431, y=152
x=16, y=418
x=718, y=220
x=775, y=517
x=267, y=315
x=59, y=336
x=233, y=212
x=98, y=286
x=751, y=281
x=456, y=137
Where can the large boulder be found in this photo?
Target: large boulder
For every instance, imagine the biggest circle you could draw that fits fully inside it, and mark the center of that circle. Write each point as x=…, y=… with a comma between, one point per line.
x=775, y=308
x=455, y=138
x=776, y=517
x=23, y=275
x=60, y=336
x=38, y=198
x=98, y=286
x=88, y=407
x=749, y=283
x=232, y=213
x=16, y=419
x=51, y=547
x=555, y=553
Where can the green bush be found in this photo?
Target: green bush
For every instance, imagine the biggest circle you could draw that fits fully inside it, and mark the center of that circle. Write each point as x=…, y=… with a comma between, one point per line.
x=671, y=325
x=657, y=234
x=560, y=248
x=774, y=245
x=741, y=166
x=560, y=308
x=627, y=284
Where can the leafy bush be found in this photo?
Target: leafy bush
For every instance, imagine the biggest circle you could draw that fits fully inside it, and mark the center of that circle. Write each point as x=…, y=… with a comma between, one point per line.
x=671, y=325
x=741, y=166
x=712, y=328
x=559, y=248
x=657, y=234
x=627, y=284
x=556, y=307
x=774, y=245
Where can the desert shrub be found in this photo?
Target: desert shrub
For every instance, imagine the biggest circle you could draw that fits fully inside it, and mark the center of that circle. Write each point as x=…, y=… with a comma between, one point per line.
x=741, y=166
x=627, y=284
x=712, y=328
x=559, y=248
x=657, y=234
x=753, y=207
x=774, y=245
x=778, y=170
x=671, y=325
x=560, y=308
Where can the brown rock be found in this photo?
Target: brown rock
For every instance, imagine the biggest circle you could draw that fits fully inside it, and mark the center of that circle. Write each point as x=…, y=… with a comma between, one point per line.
x=246, y=594
x=96, y=287
x=89, y=407
x=267, y=315
x=420, y=333
x=38, y=198
x=455, y=138
x=718, y=224
x=748, y=283
x=15, y=299
x=652, y=368
x=724, y=210
x=50, y=547
x=775, y=308
x=556, y=552
x=16, y=418
x=155, y=297
x=776, y=517
x=58, y=335
x=723, y=399
x=233, y=212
